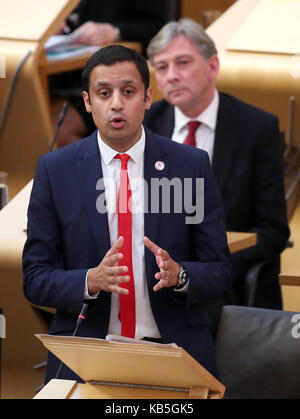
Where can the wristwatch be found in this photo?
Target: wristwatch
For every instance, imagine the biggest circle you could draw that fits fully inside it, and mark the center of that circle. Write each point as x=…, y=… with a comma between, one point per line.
x=182, y=279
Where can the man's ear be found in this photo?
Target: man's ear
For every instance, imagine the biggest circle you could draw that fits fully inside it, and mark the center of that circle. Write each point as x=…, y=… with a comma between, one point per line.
x=87, y=102
x=214, y=65
x=148, y=99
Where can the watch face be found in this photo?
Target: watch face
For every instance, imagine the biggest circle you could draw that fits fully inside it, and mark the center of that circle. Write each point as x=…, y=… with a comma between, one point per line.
x=182, y=277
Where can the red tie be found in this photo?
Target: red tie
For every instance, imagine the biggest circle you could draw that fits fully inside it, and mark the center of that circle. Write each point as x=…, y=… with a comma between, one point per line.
x=190, y=139
x=127, y=302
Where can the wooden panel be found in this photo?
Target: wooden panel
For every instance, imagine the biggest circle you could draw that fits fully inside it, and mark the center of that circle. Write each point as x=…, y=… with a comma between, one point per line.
x=20, y=349
x=238, y=241
x=195, y=8
x=27, y=131
x=275, y=32
x=33, y=20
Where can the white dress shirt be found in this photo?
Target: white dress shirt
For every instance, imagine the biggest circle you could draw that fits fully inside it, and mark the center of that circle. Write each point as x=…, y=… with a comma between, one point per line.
x=145, y=323
x=205, y=134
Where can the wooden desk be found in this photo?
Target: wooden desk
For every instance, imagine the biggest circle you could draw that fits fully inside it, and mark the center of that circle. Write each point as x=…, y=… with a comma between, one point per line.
x=239, y=241
x=20, y=351
x=27, y=131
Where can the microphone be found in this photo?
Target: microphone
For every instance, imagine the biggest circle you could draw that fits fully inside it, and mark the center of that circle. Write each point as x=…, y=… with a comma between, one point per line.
x=80, y=318
x=60, y=121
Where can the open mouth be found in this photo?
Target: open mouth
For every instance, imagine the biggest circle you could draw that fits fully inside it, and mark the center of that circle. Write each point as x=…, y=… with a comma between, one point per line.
x=117, y=122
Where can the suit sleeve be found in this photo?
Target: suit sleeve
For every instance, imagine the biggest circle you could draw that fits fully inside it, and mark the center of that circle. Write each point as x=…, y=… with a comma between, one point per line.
x=46, y=282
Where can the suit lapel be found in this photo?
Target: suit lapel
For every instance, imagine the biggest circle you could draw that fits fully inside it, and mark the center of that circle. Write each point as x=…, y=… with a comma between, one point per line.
x=226, y=140
x=154, y=154
x=90, y=171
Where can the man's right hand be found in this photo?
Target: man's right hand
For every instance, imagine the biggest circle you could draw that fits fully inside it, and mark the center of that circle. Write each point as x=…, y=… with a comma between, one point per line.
x=108, y=275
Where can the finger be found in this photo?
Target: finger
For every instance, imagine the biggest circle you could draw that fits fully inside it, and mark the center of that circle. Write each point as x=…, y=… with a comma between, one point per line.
x=113, y=260
x=164, y=265
x=161, y=284
x=116, y=270
x=119, y=290
x=162, y=275
x=116, y=247
x=115, y=287
x=116, y=280
x=163, y=254
x=151, y=246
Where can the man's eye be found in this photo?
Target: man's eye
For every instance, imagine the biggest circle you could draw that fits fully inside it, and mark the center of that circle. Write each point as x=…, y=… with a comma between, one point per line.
x=104, y=93
x=160, y=68
x=183, y=63
x=128, y=92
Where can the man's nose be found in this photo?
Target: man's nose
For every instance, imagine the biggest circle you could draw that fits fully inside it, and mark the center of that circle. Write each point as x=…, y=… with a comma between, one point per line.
x=117, y=103
x=172, y=74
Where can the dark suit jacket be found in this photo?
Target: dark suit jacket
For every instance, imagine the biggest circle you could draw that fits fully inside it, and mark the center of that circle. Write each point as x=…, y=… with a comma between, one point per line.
x=66, y=236
x=248, y=169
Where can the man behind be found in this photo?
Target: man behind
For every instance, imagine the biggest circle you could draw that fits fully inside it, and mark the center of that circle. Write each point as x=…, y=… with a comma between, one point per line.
x=75, y=252
x=243, y=145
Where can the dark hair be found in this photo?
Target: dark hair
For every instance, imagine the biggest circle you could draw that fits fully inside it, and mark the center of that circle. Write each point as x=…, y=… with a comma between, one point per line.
x=115, y=54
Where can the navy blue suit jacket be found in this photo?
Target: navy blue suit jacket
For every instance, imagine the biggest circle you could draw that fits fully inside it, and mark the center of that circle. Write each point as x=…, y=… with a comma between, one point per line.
x=248, y=169
x=67, y=236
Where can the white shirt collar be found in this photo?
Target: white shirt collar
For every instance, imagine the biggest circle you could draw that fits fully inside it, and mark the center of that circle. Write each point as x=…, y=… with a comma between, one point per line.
x=108, y=154
x=208, y=117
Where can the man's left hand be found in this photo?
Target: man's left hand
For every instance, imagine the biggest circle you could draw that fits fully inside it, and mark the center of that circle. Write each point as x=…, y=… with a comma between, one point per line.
x=169, y=269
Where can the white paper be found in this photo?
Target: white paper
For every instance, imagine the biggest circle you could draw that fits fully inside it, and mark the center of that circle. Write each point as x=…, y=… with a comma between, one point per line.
x=57, y=43
x=123, y=339
x=60, y=47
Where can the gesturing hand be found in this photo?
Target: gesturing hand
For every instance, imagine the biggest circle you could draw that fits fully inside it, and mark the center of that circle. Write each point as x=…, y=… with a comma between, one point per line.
x=108, y=275
x=169, y=269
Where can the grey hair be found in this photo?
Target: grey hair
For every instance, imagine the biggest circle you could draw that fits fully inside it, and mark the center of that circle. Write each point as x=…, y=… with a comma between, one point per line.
x=190, y=29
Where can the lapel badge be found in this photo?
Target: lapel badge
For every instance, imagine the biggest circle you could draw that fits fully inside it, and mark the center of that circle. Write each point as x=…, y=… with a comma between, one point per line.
x=159, y=165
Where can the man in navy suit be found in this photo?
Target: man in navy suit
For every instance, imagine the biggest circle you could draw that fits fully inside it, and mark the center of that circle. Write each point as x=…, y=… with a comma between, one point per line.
x=244, y=148
x=73, y=253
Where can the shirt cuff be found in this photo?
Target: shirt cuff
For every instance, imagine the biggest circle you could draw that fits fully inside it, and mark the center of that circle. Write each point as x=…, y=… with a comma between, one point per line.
x=87, y=296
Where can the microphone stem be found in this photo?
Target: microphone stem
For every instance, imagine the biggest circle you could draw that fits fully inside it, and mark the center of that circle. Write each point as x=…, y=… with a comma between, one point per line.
x=59, y=123
x=81, y=317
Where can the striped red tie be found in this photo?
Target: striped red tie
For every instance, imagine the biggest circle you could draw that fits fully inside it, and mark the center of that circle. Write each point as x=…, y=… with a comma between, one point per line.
x=191, y=139
x=127, y=302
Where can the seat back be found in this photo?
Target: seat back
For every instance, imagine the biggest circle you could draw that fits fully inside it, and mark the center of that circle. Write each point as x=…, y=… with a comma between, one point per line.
x=258, y=353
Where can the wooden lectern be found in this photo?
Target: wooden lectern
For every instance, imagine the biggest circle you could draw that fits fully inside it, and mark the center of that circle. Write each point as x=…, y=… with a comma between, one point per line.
x=121, y=370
